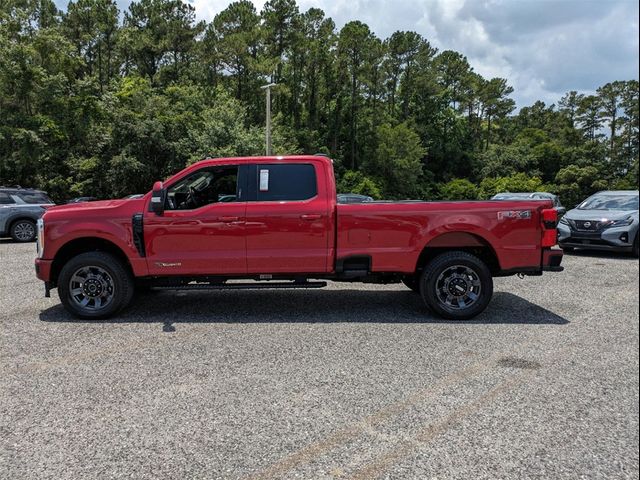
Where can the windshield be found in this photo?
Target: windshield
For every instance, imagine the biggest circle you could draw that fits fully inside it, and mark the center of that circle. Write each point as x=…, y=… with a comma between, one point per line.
x=610, y=202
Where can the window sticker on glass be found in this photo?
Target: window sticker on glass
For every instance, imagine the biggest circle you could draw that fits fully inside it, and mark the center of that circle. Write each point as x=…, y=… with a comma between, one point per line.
x=264, y=180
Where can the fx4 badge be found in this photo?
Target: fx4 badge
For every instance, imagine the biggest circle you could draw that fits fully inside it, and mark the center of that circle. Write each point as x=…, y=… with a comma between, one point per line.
x=163, y=264
x=515, y=214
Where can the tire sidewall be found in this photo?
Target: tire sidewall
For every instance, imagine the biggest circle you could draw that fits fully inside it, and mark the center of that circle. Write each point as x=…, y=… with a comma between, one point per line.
x=441, y=263
x=122, y=283
x=19, y=222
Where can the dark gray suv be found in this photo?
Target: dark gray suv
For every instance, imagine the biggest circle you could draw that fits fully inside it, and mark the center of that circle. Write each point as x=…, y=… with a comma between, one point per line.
x=20, y=209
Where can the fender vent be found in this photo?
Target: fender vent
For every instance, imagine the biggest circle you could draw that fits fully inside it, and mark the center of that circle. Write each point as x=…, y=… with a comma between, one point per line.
x=138, y=233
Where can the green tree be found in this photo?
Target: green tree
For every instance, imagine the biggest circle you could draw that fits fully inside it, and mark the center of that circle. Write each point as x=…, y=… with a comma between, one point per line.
x=575, y=183
x=397, y=161
x=237, y=29
x=354, y=43
x=159, y=33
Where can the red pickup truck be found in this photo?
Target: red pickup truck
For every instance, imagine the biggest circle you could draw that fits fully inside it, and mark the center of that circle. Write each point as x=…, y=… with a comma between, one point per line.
x=273, y=222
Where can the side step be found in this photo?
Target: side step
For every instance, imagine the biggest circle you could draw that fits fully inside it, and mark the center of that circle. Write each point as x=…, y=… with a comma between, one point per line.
x=241, y=286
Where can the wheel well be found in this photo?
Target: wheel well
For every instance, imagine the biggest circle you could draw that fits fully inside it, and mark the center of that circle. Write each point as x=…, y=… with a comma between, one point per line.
x=83, y=245
x=464, y=242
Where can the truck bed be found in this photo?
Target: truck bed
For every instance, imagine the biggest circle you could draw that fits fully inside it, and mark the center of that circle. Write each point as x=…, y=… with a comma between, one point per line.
x=394, y=234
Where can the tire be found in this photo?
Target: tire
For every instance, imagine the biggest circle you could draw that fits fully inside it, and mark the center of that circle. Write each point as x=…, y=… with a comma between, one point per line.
x=99, y=277
x=23, y=231
x=451, y=273
x=412, y=283
x=636, y=253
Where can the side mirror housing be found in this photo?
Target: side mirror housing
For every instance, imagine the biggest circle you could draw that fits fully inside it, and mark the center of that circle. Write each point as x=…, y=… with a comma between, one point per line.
x=158, y=198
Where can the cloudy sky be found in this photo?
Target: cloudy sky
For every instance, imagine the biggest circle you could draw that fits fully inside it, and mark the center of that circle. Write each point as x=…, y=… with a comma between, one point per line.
x=543, y=47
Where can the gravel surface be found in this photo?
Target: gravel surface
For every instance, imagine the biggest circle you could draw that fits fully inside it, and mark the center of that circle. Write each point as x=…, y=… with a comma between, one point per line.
x=349, y=381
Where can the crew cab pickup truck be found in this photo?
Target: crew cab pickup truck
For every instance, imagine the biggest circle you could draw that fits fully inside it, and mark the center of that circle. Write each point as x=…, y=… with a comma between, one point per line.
x=274, y=222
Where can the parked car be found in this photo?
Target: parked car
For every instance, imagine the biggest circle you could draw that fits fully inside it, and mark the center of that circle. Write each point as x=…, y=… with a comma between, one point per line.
x=286, y=230
x=20, y=209
x=353, y=198
x=533, y=196
x=604, y=221
x=82, y=199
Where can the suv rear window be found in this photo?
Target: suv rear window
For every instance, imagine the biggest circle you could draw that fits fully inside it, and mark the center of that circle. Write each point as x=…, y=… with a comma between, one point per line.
x=33, y=197
x=291, y=181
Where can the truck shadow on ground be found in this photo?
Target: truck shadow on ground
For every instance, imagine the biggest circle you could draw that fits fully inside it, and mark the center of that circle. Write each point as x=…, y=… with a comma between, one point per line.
x=296, y=306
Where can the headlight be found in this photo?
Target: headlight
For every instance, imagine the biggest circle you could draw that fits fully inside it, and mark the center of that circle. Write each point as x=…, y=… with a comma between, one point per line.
x=619, y=223
x=40, y=237
x=564, y=221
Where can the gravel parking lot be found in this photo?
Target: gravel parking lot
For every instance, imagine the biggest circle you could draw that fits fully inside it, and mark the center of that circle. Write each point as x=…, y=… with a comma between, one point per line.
x=344, y=382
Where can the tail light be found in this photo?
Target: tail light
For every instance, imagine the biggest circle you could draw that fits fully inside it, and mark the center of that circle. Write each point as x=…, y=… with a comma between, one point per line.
x=549, y=223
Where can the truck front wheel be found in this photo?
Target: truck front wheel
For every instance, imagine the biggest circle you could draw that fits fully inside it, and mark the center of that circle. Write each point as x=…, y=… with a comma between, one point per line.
x=95, y=285
x=456, y=285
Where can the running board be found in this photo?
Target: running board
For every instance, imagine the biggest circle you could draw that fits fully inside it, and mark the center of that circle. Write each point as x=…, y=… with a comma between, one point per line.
x=241, y=286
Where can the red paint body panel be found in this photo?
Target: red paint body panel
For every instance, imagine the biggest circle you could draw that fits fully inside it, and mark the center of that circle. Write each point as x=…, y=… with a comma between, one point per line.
x=108, y=220
x=197, y=242
x=297, y=237
x=394, y=234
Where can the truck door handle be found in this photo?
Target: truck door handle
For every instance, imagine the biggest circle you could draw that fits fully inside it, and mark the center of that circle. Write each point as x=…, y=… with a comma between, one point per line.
x=228, y=219
x=311, y=216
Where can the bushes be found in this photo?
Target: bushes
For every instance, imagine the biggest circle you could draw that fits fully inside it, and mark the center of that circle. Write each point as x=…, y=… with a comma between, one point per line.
x=463, y=189
x=357, y=182
x=458, y=189
x=518, y=182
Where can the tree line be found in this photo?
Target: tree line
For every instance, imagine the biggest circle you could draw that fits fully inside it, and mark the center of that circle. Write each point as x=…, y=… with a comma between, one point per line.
x=94, y=101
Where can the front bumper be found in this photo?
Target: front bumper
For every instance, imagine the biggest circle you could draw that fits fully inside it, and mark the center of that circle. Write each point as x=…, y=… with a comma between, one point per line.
x=613, y=239
x=43, y=269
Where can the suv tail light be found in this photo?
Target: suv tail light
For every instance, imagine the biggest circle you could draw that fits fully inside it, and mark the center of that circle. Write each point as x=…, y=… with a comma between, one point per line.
x=549, y=223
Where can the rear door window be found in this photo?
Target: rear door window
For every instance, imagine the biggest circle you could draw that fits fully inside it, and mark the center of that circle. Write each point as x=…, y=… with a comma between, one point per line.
x=285, y=182
x=5, y=199
x=34, y=197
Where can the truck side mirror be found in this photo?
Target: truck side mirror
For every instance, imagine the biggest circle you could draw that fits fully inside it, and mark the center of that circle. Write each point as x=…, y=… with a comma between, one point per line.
x=158, y=198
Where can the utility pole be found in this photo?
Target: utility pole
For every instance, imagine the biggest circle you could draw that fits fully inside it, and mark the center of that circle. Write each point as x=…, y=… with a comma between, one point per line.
x=268, y=129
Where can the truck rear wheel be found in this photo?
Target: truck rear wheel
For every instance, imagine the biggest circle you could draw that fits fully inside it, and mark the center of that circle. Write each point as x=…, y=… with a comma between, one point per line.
x=456, y=285
x=95, y=286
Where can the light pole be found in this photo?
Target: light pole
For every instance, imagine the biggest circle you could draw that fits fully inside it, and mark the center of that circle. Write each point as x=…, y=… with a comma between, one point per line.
x=268, y=129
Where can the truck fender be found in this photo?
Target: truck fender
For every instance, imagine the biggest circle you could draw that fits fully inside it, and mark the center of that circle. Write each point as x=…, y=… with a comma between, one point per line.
x=462, y=240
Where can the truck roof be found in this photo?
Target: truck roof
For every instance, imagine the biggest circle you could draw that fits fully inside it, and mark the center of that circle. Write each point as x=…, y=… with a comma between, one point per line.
x=265, y=158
